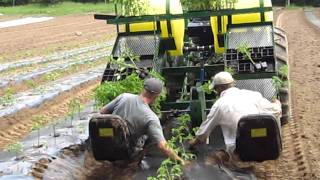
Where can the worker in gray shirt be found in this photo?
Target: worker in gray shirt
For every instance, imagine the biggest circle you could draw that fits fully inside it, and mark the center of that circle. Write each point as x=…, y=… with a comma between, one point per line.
x=135, y=110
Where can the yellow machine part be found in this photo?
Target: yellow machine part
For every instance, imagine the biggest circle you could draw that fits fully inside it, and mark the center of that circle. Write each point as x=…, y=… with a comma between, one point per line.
x=177, y=26
x=239, y=19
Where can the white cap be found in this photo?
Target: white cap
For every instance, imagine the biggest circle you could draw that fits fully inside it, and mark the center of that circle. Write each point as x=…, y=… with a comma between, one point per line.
x=221, y=78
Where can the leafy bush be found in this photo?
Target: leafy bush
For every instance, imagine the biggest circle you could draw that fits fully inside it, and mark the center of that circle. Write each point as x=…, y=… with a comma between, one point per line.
x=48, y=2
x=196, y=5
x=111, y=89
x=6, y=2
x=131, y=84
x=132, y=7
x=14, y=2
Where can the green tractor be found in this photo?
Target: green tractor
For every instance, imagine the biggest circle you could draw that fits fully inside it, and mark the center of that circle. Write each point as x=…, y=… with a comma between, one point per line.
x=189, y=47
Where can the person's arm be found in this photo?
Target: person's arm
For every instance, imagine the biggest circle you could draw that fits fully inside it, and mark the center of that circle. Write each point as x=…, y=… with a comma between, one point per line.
x=108, y=109
x=156, y=135
x=104, y=110
x=162, y=145
x=207, y=126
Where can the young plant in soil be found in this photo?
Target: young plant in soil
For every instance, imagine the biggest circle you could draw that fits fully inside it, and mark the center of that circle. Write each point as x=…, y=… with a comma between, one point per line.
x=81, y=128
x=51, y=76
x=55, y=134
x=37, y=124
x=31, y=84
x=74, y=107
x=170, y=169
x=8, y=98
x=16, y=148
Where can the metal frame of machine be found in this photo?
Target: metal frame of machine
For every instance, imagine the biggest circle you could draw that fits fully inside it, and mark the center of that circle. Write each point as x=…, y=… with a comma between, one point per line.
x=183, y=74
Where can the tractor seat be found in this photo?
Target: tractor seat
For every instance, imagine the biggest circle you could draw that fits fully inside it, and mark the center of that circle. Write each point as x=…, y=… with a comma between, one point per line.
x=258, y=138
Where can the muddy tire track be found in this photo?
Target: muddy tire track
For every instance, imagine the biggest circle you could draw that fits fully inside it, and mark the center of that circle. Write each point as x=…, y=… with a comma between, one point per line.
x=301, y=148
x=304, y=41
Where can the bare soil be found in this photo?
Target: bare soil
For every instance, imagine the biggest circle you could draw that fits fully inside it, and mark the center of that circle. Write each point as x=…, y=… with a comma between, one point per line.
x=60, y=33
x=304, y=45
x=300, y=158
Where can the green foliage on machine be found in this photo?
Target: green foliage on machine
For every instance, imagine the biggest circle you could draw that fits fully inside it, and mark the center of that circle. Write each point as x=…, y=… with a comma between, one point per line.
x=244, y=49
x=109, y=90
x=283, y=72
x=206, y=87
x=281, y=80
x=230, y=70
x=196, y=5
x=132, y=7
x=121, y=62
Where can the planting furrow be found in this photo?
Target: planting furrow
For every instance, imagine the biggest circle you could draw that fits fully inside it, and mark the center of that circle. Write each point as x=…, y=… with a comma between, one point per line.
x=57, y=22
x=41, y=39
x=66, y=37
x=18, y=78
x=35, y=97
x=54, y=28
x=22, y=122
x=53, y=57
x=9, y=74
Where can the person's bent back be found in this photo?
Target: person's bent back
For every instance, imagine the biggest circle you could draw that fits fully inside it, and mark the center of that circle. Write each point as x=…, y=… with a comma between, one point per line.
x=141, y=120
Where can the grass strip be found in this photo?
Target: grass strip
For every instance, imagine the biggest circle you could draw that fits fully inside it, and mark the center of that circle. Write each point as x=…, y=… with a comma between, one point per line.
x=65, y=8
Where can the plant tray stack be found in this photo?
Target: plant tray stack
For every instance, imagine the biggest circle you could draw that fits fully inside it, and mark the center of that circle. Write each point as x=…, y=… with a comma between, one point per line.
x=238, y=62
x=259, y=39
x=144, y=45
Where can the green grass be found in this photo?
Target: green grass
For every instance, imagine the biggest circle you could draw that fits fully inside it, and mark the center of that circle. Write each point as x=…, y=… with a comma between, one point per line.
x=295, y=6
x=65, y=8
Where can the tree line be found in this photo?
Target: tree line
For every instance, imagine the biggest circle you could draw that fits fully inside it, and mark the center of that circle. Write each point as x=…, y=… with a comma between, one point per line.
x=297, y=2
x=44, y=2
x=48, y=2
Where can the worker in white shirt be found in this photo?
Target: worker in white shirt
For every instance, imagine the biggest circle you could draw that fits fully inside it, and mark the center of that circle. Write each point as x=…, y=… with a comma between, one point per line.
x=229, y=108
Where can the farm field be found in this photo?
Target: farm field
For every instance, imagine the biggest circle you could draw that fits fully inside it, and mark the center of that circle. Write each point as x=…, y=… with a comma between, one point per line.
x=46, y=66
